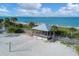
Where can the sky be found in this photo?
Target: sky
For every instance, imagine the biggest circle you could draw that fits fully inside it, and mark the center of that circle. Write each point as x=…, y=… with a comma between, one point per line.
x=40, y=9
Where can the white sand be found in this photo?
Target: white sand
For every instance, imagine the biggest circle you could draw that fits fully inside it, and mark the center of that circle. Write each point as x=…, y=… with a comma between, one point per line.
x=24, y=45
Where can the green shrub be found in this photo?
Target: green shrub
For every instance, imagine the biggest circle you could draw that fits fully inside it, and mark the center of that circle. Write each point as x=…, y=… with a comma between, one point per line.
x=19, y=31
x=19, y=26
x=11, y=30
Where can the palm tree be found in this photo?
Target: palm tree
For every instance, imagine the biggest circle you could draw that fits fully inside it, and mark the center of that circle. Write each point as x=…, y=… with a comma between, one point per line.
x=6, y=21
x=31, y=24
x=54, y=29
x=13, y=19
x=1, y=20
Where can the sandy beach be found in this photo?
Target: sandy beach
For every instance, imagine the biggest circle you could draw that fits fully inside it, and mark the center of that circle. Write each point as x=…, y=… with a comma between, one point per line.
x=24, y=45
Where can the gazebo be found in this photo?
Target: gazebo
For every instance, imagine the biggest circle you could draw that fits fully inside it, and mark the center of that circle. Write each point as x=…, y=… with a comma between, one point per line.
x=43, y=28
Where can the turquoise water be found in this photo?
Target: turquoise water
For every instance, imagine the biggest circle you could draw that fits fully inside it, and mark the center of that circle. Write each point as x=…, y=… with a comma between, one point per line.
x=65, y=21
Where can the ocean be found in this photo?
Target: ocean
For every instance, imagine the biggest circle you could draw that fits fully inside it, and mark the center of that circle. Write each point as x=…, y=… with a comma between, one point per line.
x=61, y=21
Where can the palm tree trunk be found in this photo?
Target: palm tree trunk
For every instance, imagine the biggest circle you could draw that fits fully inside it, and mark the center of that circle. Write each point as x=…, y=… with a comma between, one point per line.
x=53, y=35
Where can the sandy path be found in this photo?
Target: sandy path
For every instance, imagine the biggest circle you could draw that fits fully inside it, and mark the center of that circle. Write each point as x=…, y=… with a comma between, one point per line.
x=24, y=45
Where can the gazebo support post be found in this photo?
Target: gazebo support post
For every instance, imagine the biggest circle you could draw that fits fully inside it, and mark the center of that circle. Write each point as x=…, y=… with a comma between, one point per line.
x=47, y=34
x=50, y=32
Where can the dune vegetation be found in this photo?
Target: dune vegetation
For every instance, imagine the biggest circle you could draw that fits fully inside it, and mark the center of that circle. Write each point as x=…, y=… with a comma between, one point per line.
x=12, y=26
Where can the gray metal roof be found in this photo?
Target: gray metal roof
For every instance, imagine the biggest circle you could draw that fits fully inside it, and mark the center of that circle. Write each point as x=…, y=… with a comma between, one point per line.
x=43, y=27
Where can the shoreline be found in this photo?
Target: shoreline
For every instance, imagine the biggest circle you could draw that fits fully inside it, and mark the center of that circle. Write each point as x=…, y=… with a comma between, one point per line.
x=26, y=23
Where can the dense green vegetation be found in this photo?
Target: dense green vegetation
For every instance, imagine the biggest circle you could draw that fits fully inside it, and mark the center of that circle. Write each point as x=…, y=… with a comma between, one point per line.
x=12, y=26
x=62, y=31
x=65, y=32
x=11, y=30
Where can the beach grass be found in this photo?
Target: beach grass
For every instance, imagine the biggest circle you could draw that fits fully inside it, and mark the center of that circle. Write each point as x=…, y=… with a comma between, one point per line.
x=76, y=35
x=77, y=48
x=67, y=43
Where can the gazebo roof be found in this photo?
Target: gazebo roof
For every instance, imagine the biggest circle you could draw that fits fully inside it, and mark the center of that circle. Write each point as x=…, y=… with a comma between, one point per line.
x=43, y=27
